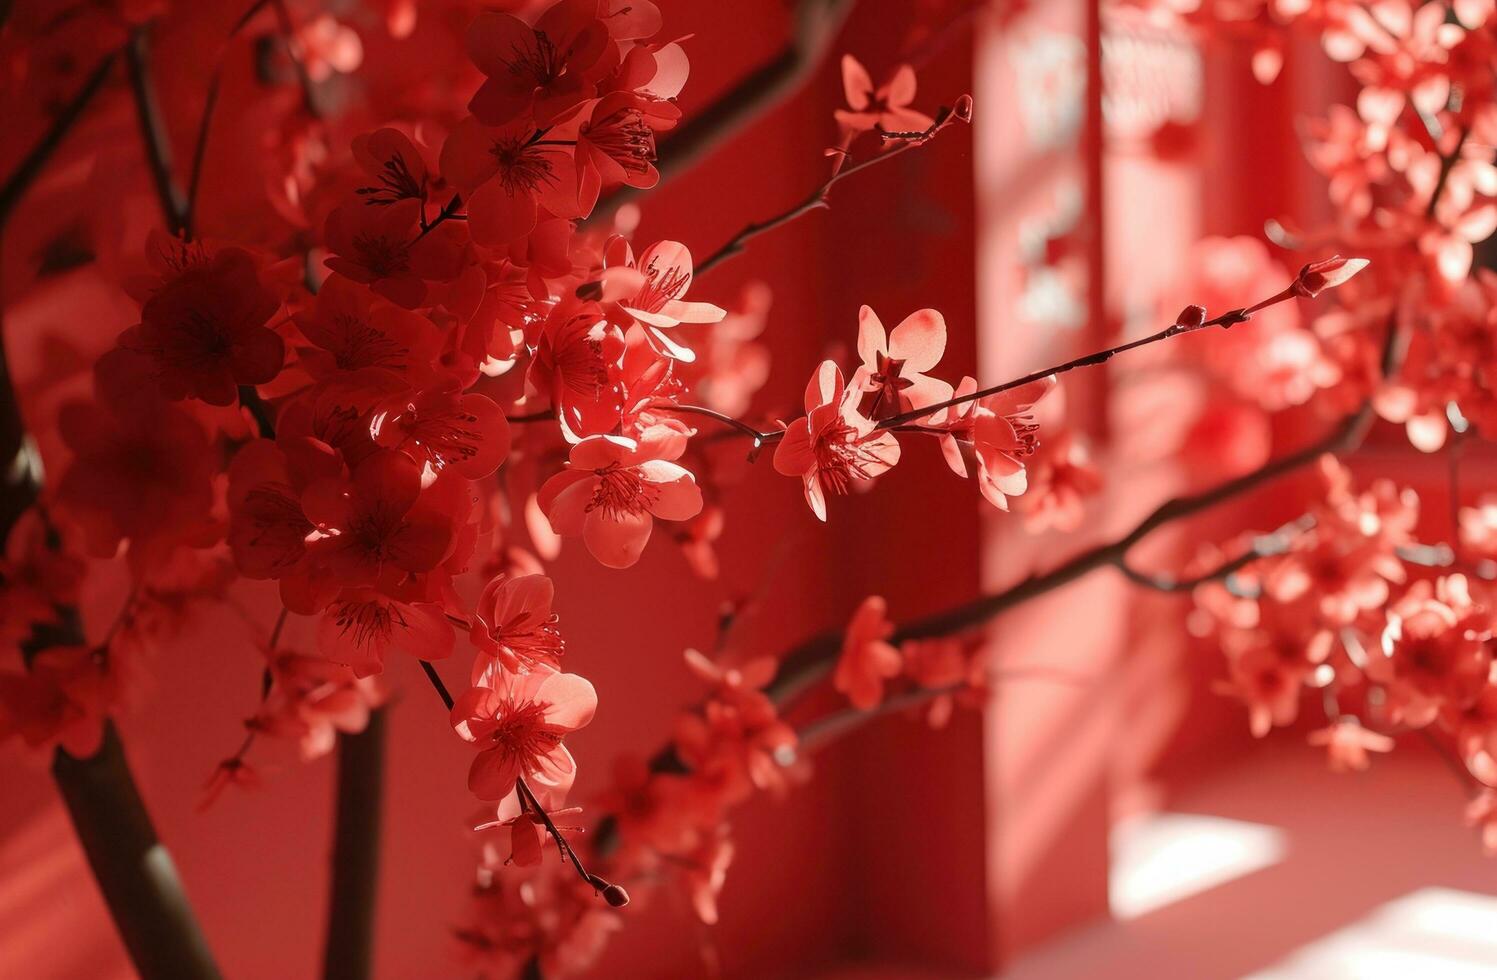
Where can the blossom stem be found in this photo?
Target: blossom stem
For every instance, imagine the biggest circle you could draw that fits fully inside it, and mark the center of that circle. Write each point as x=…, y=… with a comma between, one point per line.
x=448, y=213
x=210, y=103
x=1262, y=546
x=259, y=410
x=729, y=420
x=902, y=422
x=153, y=130
x=530, y=803
x=436, y=683
x=813, y=659
x=30, y=167
x=818, y=197
x=1226, y=320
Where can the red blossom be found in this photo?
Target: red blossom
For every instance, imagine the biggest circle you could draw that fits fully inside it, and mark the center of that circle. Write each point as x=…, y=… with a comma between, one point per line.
x=868, y=659
x=614, y=487
x=833, y=445
x=519, y=724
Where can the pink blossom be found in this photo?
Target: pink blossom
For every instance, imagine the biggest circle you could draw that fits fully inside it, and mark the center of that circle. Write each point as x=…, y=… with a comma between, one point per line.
x=519, y=724
x=614, y=487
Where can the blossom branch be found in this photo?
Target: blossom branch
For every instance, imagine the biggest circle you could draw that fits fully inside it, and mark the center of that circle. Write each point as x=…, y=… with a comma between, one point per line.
x=1262, y=546
x=613, y=894
x=1226, y=321
x=153, y=130
x=818, y=197
x=132, y=867
x=30, y=167
x=813, y=659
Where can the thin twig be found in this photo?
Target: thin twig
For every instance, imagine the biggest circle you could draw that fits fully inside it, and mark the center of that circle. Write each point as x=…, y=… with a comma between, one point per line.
x=1262, y=546
x=31, y=165
x=809, y=662
x=154, y=135
x=818, y=197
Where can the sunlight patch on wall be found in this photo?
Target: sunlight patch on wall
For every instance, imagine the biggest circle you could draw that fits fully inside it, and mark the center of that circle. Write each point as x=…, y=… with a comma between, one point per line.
x=1161, y=858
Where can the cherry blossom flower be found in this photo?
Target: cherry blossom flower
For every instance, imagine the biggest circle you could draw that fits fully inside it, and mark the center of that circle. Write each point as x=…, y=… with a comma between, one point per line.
x=737, y=742
x=576, y=363
x=515, y=625
x=1478, y=527
x=537, y=72
x=375, y=525
x=360, y=627
x=350, y=329
x=616, y=144
x=1434, y=652
x=141, y=473
x=894, y=365
x=998, y=432
x=205, y=331
x=325, y=46
x=832, y=444
x=63, y=697
x=383, y=247
x=614, y=487
x=507, y=176
x=885, y=107
x=1061, y=476
x=312, y=699
x=394, y=161
x=1347, y=744
x=649, y=291
x=268, y=529
x=1269, y=662
x=519, y=725
x=443, y=429
x=868, y=659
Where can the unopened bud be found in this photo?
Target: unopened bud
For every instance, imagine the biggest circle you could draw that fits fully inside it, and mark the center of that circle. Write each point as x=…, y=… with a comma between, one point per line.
x=615, y=896
x=1191, y=316
x=963, y=109
x=1317, y=276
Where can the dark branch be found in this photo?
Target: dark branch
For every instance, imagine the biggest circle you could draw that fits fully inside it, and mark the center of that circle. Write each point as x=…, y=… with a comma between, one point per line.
x=348, y=952
x=818, y=197
x=154, y=136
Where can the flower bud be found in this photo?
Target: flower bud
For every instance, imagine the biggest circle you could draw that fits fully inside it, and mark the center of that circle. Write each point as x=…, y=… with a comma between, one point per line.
x=1191, y=317
x=615, y=896
x=1317, y=276
x=963, y=109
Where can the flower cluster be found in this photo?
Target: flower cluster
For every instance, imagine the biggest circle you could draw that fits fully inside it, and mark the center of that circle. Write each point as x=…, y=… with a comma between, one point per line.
x=378, y=396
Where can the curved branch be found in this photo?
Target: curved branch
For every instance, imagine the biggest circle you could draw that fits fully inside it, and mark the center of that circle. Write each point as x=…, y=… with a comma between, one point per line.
x=812, y=660
x=818, y=197
x=1262, y=546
